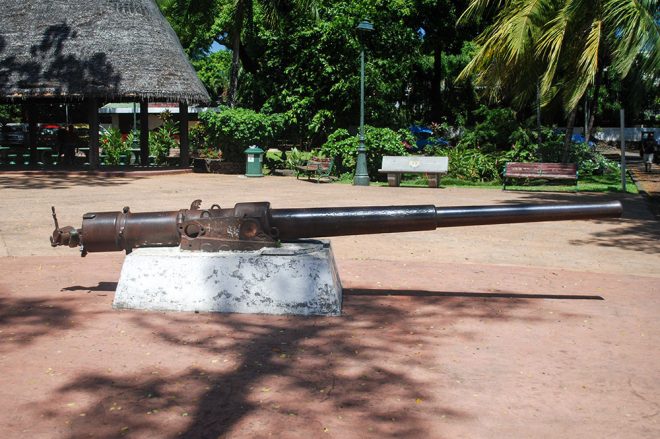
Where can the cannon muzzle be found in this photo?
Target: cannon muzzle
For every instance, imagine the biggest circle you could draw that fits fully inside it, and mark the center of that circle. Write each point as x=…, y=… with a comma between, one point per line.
x=328, y=221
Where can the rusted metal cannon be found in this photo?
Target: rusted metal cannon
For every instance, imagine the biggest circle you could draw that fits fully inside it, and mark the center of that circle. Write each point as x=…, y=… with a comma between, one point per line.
x=250, y=226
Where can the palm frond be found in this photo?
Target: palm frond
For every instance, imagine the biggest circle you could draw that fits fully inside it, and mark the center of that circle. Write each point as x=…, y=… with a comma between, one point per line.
x=565, y=42
x=520, y=29
x=477, y=7
x=549, y=46
x=588, y=60
x=633, y=29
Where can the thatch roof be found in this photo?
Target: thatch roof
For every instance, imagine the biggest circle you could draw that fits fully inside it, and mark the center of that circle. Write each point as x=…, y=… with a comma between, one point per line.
x=110, y=49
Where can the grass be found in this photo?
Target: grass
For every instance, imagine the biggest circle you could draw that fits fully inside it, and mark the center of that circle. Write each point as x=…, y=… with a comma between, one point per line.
x=592, y=183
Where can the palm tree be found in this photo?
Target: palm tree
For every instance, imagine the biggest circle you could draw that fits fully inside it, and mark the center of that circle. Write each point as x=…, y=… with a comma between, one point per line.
x=565, y=45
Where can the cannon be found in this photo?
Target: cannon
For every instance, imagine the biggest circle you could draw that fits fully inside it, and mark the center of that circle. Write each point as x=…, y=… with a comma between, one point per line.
x=252, y=226
x=254, y=259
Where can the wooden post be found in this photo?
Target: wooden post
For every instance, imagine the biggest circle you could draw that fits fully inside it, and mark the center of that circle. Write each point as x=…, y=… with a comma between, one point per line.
x=144, y=133
x=32, y=132
x=93, y=121
x=184, y=156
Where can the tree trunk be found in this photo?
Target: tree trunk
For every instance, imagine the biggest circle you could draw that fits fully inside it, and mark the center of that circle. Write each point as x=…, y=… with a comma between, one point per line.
x=570, y=124
x=235, y=39
x=248, y=63
x=436, y=84
x=594, y=104
x=235, y=66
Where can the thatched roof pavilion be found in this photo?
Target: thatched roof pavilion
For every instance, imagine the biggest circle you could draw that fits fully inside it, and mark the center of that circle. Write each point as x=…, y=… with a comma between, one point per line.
x=94, y=51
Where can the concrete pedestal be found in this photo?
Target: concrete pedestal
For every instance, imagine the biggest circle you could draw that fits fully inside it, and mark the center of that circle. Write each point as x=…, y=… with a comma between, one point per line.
x=298, y=278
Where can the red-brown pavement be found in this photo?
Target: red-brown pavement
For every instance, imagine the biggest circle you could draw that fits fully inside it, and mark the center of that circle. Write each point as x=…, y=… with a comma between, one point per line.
x=527, y=330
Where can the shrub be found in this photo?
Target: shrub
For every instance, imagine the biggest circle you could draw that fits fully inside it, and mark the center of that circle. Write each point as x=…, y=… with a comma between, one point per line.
x=470, y=164
x=590, y=161
x=273, y=159
x=494, y=130
x=199, y=139
x=162, y=139
x=236, y=129
x=208, y=153
x=378, y=142
x=113, y=147
x=295, y=157
x=526, y=149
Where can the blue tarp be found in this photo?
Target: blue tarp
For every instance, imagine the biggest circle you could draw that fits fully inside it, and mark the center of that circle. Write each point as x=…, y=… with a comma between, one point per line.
x=423, y=138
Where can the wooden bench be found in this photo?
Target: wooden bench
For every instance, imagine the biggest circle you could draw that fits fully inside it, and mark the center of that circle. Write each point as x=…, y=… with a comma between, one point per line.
x=316, y=167
x=394, y=166
x=547, y=171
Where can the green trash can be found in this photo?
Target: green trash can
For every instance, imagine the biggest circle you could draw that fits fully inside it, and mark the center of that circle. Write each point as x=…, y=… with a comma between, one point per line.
x=254, y=160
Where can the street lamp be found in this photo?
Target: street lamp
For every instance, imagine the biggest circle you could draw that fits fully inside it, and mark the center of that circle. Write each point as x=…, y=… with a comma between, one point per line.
x=361, y=174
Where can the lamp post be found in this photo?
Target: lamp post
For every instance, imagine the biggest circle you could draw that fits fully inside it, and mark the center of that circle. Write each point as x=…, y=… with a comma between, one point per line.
x=361, y=174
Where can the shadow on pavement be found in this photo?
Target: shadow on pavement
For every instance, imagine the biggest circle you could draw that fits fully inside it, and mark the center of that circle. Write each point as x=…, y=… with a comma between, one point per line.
x=60, y=181
x=410, y=293
x=102, y=286
x=22, y=321
x=637, y=230
x=357, y=374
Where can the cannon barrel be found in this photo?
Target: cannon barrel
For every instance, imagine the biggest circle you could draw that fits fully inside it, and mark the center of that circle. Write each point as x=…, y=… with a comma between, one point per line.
x=309, y=223
x=254, y=225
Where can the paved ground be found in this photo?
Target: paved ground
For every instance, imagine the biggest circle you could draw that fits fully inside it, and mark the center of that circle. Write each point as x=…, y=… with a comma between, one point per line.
x=530, y=330
x=648, y=184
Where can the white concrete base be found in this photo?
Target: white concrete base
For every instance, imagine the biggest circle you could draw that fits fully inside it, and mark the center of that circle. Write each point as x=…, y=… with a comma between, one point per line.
x=298, y=278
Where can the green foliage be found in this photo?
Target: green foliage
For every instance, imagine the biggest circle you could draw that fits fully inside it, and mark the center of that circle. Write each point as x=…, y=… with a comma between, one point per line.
x=199, y=139
x=9, y=113
x=273, y=159
x=524, y=149
x=162, y=139
x=193, y=21
x=527, y=149
x=469, y=164
x=209, y=153
x=114, y=149
x=235, y=129
x=560, y=46
x=306, y=67
x=493, y=129
x=472, y=164
x=590, y=161
x=213, y=71
x=378, y=142
x=295, y=157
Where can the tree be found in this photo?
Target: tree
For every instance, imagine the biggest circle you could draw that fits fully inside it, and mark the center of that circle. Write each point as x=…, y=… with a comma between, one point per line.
x=229, y=23
x=194, y=23
x=213, y=71
x=310, y=69
x=306, y=66
x=443, y=42
x=563, y=45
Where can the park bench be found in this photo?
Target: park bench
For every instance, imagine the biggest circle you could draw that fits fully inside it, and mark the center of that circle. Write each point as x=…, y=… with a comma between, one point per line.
x=394, y=166
x=316, y=167
x=546, y=171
